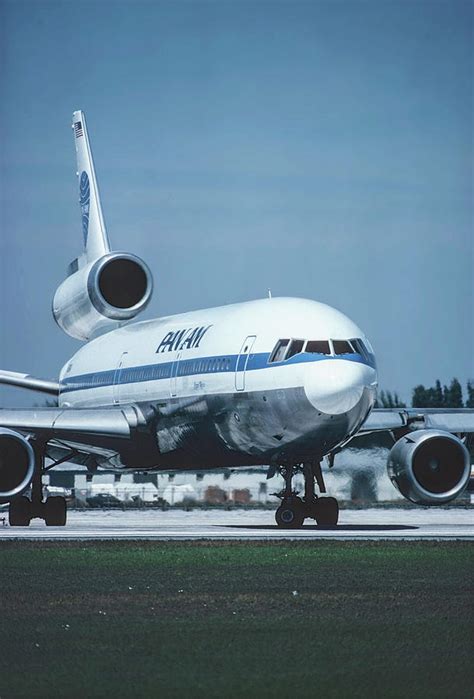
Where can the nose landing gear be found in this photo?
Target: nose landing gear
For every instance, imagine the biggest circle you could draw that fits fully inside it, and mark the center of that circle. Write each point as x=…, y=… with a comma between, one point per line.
x=293, y=509
x=290, y=514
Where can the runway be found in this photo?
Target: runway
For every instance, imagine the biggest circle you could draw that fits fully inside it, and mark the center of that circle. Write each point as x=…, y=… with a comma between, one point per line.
x=237, y=525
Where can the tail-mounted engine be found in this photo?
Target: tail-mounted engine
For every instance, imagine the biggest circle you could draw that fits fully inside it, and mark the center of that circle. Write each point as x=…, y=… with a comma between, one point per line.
x=102, y=294
x=104, y=289
x=17, y=464
x=429, y=467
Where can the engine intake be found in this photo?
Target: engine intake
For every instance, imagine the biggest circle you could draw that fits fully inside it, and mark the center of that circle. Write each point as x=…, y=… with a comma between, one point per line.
x=101, y=295
x=17, y=464
x=122, y=282
x=429, y=467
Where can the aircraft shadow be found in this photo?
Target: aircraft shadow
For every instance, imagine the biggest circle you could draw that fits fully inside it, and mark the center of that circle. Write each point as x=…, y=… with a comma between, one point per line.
x=337, y=527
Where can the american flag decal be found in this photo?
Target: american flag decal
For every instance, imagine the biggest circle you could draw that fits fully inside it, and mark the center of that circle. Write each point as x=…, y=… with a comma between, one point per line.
x=78, y=129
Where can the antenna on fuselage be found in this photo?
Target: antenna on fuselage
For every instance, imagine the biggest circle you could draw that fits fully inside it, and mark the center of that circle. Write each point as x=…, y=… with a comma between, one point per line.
x=269, y=293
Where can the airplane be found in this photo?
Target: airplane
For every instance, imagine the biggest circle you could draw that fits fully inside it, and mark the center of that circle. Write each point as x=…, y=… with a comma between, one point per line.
x=283, y=382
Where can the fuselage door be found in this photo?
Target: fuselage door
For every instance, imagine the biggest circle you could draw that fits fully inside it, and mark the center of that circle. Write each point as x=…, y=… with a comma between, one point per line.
x=117, y=376
x=242, y=361
x=174, y=376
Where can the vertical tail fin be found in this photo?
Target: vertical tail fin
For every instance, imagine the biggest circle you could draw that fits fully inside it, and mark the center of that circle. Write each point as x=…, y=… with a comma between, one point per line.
x=96, y=242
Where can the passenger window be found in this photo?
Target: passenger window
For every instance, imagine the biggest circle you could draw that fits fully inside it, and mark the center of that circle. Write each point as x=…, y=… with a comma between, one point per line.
x=296, y=347
x=279, y=351
x=342, y=347
x=317, y=347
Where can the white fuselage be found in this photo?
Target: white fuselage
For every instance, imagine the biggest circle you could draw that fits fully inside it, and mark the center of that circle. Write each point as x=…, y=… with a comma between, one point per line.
x=221, y=376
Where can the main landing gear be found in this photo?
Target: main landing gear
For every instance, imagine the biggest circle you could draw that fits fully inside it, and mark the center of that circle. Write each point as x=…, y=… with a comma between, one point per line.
x=294, y=509
x=23, y=509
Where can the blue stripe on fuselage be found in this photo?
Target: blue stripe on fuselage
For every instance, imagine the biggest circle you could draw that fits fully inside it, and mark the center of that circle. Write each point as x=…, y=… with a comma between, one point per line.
x=219, y=364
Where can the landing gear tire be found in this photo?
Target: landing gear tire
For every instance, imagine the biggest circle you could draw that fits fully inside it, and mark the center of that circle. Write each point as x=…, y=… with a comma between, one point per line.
x=55, y=512
x=19, y=512
x=289, y=515
x=326, y=511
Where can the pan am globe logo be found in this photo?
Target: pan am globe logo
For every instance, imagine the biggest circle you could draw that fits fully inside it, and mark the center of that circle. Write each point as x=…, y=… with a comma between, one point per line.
x=84, y=200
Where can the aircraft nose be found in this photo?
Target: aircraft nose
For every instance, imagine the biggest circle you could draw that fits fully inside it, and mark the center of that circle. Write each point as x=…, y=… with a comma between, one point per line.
x=336, y=386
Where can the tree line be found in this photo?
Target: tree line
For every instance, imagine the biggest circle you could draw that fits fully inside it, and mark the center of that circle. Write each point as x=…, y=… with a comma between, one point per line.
x=436, y=396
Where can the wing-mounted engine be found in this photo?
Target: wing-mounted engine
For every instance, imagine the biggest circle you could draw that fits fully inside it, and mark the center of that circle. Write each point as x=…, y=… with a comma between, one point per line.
x=102, y=295
x=429, y=467
x=17, y=464
x=104, y=288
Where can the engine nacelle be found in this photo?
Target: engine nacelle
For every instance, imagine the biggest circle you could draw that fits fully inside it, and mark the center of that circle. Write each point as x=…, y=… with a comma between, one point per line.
x=103, y=294
x=17, y=464
x=429, y=467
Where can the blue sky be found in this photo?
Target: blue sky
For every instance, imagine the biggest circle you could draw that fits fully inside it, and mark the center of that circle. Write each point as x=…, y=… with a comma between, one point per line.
x=322, y=149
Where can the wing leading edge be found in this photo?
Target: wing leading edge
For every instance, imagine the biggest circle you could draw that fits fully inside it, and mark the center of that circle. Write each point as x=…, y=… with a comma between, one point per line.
x=32, y=383
x=123, y=430
x=455, y=420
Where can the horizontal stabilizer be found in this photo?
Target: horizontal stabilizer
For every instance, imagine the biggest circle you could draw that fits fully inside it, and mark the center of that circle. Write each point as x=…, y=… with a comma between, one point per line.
x=13, y=378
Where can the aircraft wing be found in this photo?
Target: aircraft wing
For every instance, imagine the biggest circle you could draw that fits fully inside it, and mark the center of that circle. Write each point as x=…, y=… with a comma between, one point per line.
x=455, y=420
x=103, y=432
x=32, y=383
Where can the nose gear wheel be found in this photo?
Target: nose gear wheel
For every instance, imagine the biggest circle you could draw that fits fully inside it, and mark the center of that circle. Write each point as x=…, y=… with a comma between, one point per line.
x=290, y=514
x=294, y=510
x=326, y=511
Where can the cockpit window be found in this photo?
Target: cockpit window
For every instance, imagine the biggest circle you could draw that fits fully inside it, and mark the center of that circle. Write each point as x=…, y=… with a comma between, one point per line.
x=285, y=349
x=278, y=353
x=342, y=347
x=317, y=347
x=359, y=347
x=295, y=347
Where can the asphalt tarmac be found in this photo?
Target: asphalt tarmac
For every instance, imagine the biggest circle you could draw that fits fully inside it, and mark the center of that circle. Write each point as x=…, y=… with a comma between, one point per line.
x=371, y=524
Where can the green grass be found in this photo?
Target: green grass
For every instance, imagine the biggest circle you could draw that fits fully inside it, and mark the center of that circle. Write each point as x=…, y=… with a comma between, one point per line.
x=119, y=619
